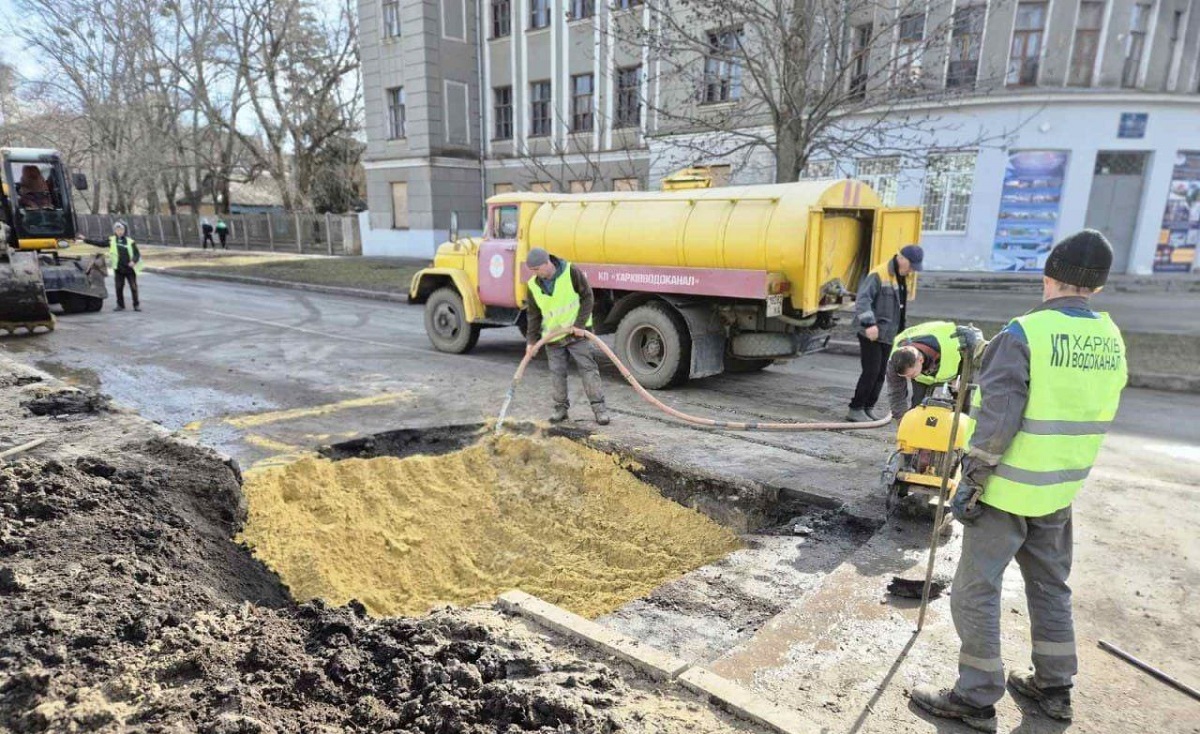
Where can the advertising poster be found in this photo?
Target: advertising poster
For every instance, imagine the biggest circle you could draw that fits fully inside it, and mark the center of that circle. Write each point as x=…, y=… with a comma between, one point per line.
x=1180, y=231
x=1029, y=205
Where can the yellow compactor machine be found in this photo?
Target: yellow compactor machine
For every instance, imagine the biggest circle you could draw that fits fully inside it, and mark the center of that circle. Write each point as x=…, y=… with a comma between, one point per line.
x=693, y=281
x=37, y=222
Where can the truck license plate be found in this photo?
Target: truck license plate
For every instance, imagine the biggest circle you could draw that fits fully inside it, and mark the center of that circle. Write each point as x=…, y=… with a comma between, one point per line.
x=774, y=306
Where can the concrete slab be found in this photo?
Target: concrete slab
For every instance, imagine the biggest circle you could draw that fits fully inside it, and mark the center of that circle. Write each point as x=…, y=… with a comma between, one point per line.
x=652, y=662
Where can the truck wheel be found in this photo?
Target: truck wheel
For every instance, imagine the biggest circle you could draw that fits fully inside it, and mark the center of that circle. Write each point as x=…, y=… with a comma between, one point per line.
x=737, y=365
x=762, y=345
x=446, y=323
x=93, y=304
x=653, y=342
x=73, y=303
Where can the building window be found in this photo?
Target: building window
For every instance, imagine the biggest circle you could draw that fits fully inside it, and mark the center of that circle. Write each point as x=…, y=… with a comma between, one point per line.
x=909, y=47
x=395, y=106
x=882, y=175
x=626, y=4
x=817, y=170
x=501, y=18
x=629, y=97
x=720, y=174
x=966, y=41
x=860, y=61
x=582, y=186
x=582, y=9
x=1087, y=42
x=542, y=187
x=722, y=69
x=627, y=184
x=502, y=188
x=391, y=18
x=949, y=178
x=1026, y=46
x=1135, y=43
x=502, y=107
x=399, y=206
x=539, y=14
x=539, y=109
x=581, y=103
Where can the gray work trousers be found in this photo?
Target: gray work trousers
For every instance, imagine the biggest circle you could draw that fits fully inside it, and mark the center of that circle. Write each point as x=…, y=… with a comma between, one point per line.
x=580, y=350
x=1042, y=548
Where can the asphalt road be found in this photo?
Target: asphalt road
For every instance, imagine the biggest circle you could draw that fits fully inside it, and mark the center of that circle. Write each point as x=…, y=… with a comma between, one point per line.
x=261, y=372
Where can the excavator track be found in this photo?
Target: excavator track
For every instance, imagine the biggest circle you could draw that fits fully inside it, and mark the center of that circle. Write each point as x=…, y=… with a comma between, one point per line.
x=23, y=303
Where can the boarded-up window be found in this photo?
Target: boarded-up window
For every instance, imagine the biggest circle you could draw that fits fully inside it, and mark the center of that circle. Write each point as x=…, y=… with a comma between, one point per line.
x=454, y=19
x=581, y=186
x=627, y=184
x=457, y=127
x=541, y=187
x=399, y=206
x=503, y=188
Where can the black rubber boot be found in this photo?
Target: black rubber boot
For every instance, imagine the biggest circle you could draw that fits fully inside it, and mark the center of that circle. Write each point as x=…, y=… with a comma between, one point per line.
x=1054, y=702
x=945, y=703
x=559, y=415
x=601, y=414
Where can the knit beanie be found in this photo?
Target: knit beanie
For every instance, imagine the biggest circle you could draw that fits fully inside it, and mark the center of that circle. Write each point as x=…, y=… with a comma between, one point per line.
x=1082, y=260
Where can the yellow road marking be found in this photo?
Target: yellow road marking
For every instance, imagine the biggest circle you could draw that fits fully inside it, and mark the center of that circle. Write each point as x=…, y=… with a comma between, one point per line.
x=262, y=419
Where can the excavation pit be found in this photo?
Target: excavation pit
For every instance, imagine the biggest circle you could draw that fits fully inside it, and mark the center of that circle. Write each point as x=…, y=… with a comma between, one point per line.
x=406, y=521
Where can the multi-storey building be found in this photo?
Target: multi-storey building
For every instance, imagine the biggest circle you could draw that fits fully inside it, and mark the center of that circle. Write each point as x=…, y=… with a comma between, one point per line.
x=1064, y=114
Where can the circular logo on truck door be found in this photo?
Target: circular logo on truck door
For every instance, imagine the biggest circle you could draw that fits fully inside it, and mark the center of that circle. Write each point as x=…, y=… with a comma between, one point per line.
x=496, y=266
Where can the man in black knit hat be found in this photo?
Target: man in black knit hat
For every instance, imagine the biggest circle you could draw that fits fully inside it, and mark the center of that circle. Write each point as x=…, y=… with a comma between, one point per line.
x=1050, y=384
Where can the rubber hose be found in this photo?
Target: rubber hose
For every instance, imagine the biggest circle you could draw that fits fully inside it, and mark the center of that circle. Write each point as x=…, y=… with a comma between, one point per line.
x=678, y=414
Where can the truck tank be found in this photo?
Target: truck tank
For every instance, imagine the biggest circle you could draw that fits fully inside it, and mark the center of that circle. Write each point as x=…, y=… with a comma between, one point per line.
x=818, y=234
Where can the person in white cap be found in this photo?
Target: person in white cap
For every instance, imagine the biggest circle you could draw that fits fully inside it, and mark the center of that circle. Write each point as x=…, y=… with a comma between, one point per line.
x=125, y=260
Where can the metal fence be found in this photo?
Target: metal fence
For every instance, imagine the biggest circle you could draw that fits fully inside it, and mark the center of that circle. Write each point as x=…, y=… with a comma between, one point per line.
x=316, y=234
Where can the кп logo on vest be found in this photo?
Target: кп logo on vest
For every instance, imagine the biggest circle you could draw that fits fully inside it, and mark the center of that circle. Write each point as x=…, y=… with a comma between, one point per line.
x=1085, y=352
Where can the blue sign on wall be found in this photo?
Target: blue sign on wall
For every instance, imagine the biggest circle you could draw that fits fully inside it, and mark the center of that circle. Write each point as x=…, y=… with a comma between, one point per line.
x=1133, y=125
x=1029, y=205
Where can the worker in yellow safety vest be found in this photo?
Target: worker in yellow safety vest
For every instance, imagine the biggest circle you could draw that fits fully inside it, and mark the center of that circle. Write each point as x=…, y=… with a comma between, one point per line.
x=924, y=356
x=1051, y=382
x=126, y=262
x=560, y=298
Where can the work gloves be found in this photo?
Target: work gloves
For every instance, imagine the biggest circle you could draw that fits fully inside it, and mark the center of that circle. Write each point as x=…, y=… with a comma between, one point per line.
x=971, y=339
x=965, y=505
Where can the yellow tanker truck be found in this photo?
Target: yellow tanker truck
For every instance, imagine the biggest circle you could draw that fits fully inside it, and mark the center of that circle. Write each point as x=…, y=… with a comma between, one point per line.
x=692, y=282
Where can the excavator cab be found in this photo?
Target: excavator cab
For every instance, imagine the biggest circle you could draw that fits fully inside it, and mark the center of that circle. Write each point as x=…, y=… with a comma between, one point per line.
x=37, y=221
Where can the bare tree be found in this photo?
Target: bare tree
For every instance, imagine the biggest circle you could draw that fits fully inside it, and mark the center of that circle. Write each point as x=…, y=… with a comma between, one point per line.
x=806, y=79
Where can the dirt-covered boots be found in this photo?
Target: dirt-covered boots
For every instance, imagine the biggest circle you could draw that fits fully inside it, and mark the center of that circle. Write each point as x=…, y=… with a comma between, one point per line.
x=1054, y=702
x=601, y=414
x=559, y=415
x=946, y=704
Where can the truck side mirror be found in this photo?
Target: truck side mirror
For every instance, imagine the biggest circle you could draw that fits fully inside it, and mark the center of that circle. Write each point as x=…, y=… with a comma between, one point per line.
x=454, y=226
x=79, y=181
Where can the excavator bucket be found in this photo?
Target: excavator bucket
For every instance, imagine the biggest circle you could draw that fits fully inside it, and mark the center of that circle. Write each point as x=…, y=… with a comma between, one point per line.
x=22, y=294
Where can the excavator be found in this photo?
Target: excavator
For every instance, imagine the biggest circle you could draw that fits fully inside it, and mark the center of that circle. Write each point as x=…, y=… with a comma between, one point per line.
x=37, y=222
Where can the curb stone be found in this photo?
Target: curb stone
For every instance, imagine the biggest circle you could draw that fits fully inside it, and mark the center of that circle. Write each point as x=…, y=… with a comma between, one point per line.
x=332, y=290
x=720, y=692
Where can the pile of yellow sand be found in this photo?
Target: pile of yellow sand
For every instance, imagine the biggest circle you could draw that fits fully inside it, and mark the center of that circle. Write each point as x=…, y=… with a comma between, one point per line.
x=554, y=518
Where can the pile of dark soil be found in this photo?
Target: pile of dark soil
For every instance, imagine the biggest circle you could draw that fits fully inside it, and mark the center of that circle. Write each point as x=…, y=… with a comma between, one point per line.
x=68, y=402
x=124, y=606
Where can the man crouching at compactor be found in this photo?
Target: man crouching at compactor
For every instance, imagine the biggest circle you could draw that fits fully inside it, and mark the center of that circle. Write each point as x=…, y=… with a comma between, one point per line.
x=560, y=298
x=1050, y=384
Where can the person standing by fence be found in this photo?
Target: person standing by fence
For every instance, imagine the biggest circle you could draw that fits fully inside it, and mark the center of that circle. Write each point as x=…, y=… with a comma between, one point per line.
x=222, y=233
x=206, y=230
x=125, y=260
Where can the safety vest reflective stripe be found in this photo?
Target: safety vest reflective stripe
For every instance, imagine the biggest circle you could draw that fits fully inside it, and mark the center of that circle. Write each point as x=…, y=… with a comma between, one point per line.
x=949, y=360
x=1064, y=428
x=559, y=310
x=1076, y=373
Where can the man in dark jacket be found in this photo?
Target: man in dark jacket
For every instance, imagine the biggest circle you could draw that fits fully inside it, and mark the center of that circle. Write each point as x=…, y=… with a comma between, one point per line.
x=560, y=298
x=879, y=312
x=206, y=230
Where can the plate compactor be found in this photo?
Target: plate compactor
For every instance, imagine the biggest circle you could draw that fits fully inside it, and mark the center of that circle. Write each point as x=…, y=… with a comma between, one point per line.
x=912, y=476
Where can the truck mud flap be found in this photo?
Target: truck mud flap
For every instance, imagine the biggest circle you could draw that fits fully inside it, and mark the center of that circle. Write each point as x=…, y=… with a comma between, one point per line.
x=708, y=338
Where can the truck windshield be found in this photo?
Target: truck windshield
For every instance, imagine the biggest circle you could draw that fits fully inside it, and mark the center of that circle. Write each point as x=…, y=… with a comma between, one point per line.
x=38, y=195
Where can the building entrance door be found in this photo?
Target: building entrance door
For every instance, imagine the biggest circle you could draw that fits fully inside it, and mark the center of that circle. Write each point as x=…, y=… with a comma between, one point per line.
x=1116, y=200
